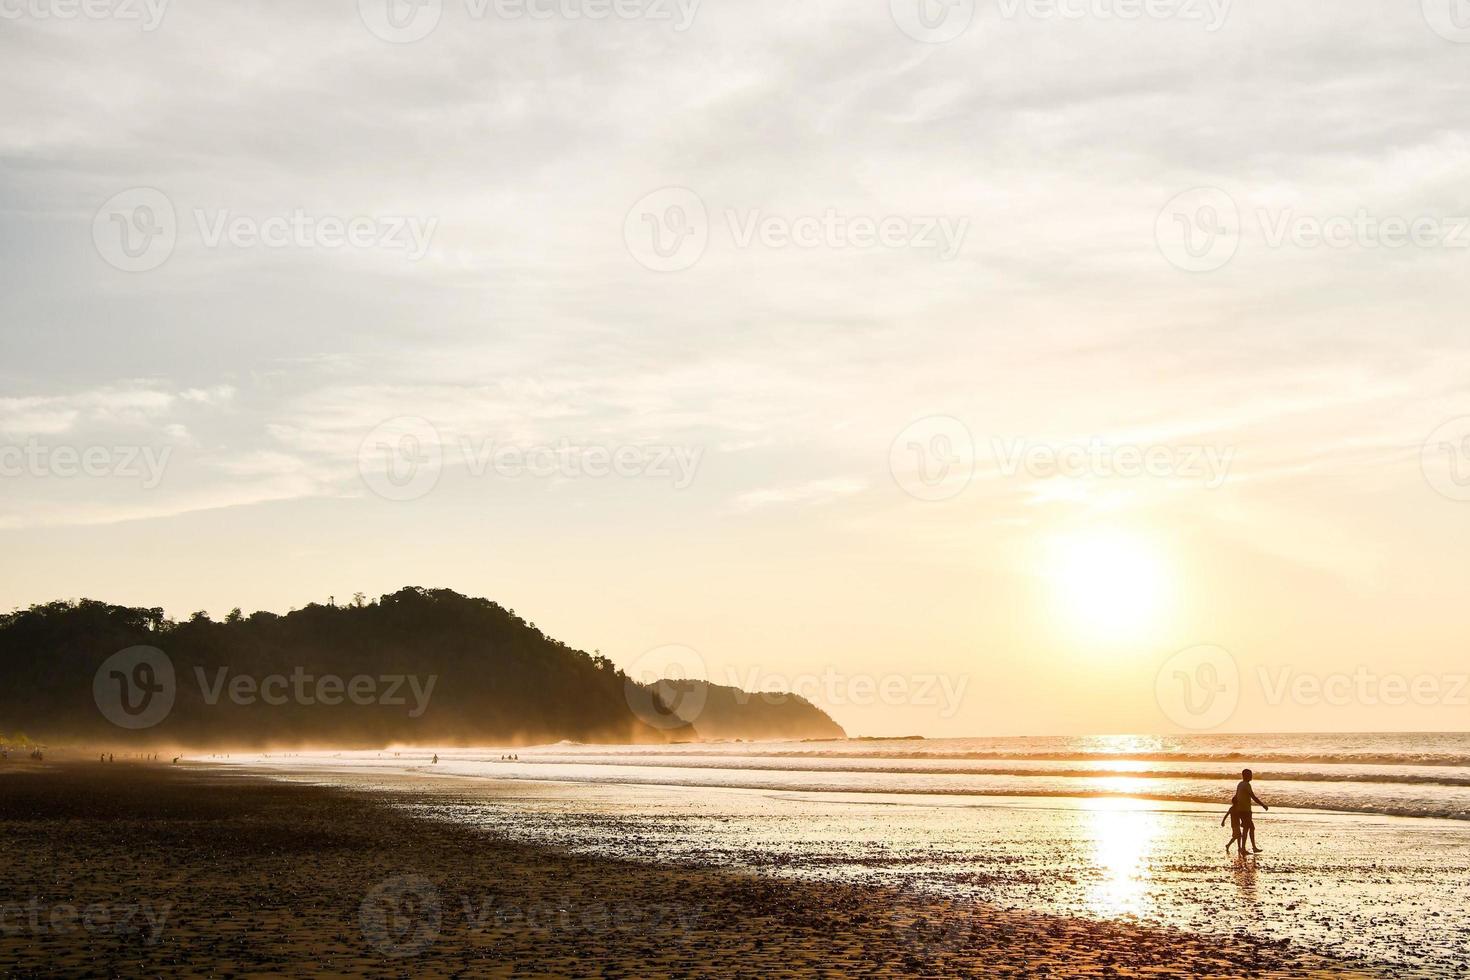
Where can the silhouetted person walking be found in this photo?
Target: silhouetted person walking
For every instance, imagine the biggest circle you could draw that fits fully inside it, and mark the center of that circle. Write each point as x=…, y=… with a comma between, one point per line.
x=1242, y=823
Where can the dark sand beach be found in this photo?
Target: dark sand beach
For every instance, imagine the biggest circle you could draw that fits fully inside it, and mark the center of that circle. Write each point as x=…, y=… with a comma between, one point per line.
x=147, y=870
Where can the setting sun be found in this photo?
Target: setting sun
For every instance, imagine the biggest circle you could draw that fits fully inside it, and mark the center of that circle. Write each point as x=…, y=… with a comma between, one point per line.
x=1107, y=583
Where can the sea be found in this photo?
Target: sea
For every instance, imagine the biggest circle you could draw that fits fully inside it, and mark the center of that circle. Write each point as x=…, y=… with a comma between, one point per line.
x=1365, y=851
x=1410, y=775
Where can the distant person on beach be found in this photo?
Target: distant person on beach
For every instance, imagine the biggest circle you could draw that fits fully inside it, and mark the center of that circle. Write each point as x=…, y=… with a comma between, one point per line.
x=1242, y=822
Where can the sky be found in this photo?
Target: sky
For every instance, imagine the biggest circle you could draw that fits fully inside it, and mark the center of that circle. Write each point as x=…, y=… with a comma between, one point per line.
x=972, y=368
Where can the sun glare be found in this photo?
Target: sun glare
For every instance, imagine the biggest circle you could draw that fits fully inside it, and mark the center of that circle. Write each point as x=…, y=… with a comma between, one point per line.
x=1107, y=584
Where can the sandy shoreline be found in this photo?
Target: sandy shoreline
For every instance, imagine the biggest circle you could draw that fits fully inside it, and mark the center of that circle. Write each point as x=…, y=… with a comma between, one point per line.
x=1353, y=886
x=156, y=870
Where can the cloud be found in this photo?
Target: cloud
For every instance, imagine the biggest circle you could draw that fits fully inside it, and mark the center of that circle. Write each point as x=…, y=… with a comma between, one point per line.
x=811, y=492
x=129, y=404
x=529, y=321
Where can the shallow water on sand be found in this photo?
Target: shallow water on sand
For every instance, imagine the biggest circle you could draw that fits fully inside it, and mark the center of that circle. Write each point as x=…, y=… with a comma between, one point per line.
x=1389, y=888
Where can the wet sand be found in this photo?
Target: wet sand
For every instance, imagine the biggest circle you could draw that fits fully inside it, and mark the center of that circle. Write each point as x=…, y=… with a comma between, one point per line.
x=135, y=869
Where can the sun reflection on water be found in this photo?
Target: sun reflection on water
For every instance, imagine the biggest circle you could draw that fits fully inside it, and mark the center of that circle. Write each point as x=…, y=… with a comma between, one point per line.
x=1124, y=840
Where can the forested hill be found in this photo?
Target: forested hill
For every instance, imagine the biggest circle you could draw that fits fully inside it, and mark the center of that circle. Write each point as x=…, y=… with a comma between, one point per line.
x=721, y=712
x=419, y=666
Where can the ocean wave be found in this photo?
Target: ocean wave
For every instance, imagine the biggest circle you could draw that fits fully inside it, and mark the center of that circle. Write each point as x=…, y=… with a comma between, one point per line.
x=1240, y=756
x=1398, y=775
x=772, y=763
x=1427, y=807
